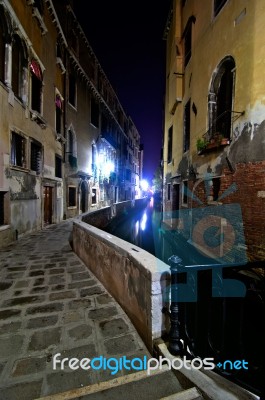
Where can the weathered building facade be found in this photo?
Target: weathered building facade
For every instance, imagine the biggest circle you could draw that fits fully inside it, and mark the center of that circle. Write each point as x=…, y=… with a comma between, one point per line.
x=65, y=138
x=214, y=135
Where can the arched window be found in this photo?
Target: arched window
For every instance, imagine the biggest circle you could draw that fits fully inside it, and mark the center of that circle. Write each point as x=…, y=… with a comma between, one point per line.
x=220, y=99
x=18, y=65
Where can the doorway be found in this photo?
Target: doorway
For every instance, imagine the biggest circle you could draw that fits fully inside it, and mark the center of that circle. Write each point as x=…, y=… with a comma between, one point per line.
x=83, y=197
x=175, y=197
x=47, y=196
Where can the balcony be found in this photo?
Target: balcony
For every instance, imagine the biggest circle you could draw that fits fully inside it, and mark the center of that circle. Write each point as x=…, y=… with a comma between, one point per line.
x=218, y=135
x=215, y=143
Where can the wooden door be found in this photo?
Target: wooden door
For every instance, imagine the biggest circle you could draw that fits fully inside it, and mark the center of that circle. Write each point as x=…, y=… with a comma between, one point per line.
x=47, y=196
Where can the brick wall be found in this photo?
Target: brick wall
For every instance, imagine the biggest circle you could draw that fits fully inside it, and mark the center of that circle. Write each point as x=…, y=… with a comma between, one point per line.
x=249, y=179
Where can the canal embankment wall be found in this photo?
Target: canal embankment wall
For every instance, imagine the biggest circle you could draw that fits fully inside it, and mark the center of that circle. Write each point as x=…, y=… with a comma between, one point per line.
x=134, y=277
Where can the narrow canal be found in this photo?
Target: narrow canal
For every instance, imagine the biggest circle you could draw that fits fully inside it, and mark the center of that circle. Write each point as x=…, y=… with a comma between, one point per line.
x=144, y=229
x=138, y=228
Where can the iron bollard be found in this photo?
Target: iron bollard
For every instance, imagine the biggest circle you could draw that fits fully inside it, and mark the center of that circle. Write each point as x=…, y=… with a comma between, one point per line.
x=175, y=345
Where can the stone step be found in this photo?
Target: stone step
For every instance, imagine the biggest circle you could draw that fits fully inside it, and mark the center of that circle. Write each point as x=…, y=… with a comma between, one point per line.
x=189, y=394
x=161, y=384
x=210, y=384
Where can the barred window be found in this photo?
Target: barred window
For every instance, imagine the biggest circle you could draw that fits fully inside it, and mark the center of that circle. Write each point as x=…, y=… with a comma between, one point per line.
x=36, y=157
x=18, y=150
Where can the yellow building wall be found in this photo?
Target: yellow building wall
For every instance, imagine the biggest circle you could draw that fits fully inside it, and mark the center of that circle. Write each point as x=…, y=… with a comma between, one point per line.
x=238, y=31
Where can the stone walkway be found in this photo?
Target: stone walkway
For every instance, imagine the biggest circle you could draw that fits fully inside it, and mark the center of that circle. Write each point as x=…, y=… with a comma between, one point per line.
x=50, y=303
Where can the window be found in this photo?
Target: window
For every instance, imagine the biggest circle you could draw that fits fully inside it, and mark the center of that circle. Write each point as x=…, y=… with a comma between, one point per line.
x=39, y=5
x=72, y=89
x=2, y=208
x=94, y=113
x=18, y=63
x=73, y=42
x=58, y=166
x=187, y=45
x=220, y=99
x=187, y=36
x=94, y=158
x=186, y=141
x=185, y=193
x=128, y=175
x=71, y=196
x=58, y=50
x=58, y=113
x=169, y=145
x=35, y=157
x=36, y=86
x=168, y=191
x=94, y=196
x=218, y=5
x=216, y=188
x=18, y=150
x=3, y=40
x=71, y=148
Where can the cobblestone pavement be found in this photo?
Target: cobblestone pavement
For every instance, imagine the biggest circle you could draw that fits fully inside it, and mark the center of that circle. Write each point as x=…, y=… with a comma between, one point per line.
x=51, y=303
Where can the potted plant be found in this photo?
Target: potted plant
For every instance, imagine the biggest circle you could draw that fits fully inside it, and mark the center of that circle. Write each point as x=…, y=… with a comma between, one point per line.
x=201, y=144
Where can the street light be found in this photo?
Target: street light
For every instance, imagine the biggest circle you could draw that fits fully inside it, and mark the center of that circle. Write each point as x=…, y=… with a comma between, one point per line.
x=144, y=185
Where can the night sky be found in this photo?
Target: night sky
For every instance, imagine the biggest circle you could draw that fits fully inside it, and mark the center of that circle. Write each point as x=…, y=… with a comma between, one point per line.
x=127, y=38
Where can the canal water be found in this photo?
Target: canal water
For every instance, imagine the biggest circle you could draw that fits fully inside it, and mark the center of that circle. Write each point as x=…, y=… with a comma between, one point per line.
x=139, y=227
x=145, y=229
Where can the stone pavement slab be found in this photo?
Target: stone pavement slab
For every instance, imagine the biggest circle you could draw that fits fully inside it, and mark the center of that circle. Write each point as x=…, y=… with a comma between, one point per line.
x=50, y=303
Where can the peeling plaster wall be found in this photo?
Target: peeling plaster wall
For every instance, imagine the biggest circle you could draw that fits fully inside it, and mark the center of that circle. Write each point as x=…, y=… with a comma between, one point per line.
x=25, y=200
x=238, y=32
x=248, y=146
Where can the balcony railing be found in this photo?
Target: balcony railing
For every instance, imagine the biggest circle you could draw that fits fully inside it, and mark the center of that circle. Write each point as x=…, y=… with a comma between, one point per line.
x=219, y=133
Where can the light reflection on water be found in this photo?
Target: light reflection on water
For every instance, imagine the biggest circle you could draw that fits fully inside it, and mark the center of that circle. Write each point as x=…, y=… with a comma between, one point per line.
x=138, y=229
x=143, y=222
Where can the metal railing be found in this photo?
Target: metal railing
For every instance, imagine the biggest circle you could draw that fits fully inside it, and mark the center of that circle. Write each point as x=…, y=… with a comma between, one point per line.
x=209, y=322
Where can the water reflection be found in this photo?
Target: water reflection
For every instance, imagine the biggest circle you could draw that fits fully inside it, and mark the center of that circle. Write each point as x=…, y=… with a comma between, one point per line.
x=143, y=222
x=144, y=229
x=137, y=229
